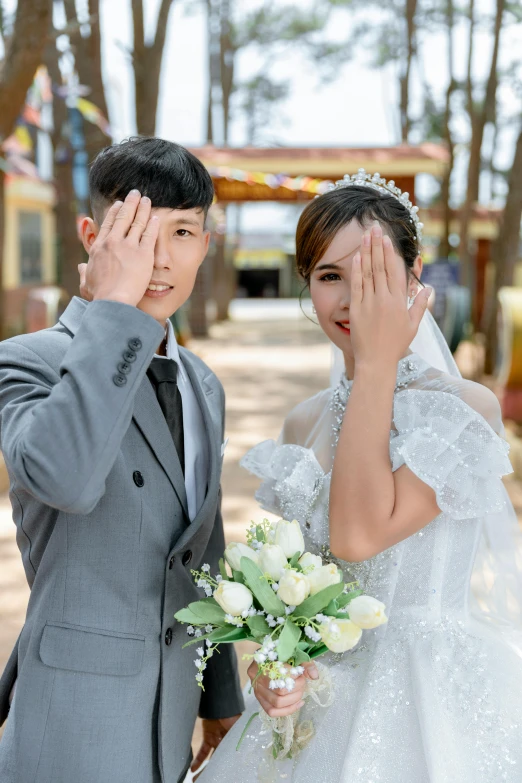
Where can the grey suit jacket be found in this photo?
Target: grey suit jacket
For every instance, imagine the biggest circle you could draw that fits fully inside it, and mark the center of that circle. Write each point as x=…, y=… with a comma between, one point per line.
x=105, y=692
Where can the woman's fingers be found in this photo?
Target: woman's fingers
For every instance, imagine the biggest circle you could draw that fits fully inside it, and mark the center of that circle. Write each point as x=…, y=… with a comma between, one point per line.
x=418, y=308
x=393, y=266
x=356, y=282
x=378, y=267
x=366, y=262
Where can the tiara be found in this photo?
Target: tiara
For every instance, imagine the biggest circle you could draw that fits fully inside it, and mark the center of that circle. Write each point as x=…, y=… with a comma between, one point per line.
x=376, y=182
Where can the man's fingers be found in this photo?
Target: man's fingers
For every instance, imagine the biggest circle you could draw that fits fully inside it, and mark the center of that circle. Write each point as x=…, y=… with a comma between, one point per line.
x=203, y=753
x=125, y=216
x=418, y=308
x=108, y=223
x=150, y=235
x=141, y=219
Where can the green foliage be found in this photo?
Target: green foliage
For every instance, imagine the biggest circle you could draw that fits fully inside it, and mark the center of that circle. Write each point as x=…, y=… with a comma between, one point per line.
x=189, y=617
x=227, y=634
x=260, y=588
x=316, y=603
x=223, y=569
x=288, y=640
x=208, y=611
x=258, y=625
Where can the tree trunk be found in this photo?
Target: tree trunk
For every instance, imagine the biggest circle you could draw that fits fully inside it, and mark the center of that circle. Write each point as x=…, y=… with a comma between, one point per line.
x=411, y=8
x=22, y=58
x=147, y=61
x=505, y=252
x=444, y=249
x=478, y=123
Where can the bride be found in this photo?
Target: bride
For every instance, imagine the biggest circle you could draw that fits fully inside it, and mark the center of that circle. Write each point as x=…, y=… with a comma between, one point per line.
x=395, y=473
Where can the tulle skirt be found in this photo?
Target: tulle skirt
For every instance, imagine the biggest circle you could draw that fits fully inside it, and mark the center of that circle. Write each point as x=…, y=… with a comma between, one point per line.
x=417, y=703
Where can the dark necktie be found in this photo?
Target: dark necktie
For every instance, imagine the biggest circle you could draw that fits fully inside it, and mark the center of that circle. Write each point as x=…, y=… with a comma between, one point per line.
x=163, y=374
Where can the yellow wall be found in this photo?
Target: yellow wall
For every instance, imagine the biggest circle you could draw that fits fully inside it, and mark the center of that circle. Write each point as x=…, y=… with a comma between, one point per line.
x=24, y=194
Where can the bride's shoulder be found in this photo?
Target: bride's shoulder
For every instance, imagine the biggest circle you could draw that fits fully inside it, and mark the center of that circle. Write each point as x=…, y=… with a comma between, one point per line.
x=304, y=417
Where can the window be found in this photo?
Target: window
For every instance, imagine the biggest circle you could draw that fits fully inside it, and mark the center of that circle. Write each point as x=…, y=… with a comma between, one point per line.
x=30, y=228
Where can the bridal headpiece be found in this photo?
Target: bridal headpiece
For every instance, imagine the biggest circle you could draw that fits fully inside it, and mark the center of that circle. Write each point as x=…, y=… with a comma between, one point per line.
x=376, y=182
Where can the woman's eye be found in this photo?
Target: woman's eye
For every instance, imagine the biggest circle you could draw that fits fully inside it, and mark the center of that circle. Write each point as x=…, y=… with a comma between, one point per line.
x=331, y=276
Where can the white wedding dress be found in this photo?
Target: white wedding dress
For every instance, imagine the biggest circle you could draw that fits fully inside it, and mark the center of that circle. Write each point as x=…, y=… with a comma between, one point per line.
x=434, y=696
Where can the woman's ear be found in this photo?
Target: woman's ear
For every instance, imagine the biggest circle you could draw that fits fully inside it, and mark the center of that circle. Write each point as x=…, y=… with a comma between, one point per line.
x=417, y=267
x=88, y=232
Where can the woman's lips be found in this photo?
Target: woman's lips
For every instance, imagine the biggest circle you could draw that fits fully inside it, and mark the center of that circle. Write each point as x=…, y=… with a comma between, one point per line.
x=344, y=327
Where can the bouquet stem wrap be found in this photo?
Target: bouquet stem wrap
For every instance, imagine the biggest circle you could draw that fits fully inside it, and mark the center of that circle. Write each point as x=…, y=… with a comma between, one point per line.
x=290, y=735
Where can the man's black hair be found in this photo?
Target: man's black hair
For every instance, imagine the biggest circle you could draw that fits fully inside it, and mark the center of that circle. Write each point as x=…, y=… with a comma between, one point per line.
x=167, y=173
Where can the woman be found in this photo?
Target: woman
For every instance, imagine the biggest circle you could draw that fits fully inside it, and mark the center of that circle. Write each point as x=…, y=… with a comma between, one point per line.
x=396, y=473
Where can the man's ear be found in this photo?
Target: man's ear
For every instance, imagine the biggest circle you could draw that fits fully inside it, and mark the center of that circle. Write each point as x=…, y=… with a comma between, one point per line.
x=88, y=232
x=206, y=240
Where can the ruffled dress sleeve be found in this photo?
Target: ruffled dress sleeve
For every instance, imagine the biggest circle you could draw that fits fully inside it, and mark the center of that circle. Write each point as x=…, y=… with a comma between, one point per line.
x=291, y=478
x=453, y=449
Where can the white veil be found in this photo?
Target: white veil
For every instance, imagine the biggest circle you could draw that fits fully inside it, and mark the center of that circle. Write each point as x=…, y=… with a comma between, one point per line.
x=497, y=573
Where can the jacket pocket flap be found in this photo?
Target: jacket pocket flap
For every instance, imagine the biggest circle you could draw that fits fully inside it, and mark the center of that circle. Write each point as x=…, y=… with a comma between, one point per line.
x=89, y=650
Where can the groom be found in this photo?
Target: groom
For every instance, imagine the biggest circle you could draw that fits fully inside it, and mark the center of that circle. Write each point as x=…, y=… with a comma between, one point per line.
x=113, y=436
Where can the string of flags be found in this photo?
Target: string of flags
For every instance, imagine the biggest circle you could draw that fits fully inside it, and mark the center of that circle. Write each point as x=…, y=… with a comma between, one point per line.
x=306, y=184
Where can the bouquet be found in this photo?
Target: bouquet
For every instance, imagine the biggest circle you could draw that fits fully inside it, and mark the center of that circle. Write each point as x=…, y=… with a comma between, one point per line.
x=295, y=606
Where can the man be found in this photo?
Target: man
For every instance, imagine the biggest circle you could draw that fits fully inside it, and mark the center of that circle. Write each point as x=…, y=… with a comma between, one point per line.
x=112, y=437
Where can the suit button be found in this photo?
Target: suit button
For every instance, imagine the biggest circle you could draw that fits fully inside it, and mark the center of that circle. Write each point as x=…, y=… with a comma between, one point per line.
x=129, y=356
x=138, y=479
x=135, y=344
x=124, y=368
x=187, y=557
x=119, y=380
x=168, y=636
x=171, y=562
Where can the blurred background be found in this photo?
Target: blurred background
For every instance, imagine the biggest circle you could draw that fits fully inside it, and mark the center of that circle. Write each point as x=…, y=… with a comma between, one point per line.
x=278, y=99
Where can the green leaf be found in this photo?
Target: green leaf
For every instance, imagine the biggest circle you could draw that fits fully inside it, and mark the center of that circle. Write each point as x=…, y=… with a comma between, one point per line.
x=300, y=656
x=254, y=715
x=227, y=634
x=238, y=576
x=316, y=603
x=261, y=589
x=189, y=617
x=320, y=651
x=287, y=642
x=208, y=611
x=260, y=536
x=258, y=625
x=294, y=560
x=223, y=568
x=304, y=645
x=345, y=598
x=332, y=608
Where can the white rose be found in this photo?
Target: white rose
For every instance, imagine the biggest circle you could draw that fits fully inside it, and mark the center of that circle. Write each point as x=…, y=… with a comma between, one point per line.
x=272, y=560
x=340, y=635
x=235, y=551
x=322, y=577
x=293, y=587
x=289, y=537
x=308, y=560
x=233, y=597
x=367, y=612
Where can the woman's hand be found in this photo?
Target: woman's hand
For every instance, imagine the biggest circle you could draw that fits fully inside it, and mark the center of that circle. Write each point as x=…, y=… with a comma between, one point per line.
x=382, y=327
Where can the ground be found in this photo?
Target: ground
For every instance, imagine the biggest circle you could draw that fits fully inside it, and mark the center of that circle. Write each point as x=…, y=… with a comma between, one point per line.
x=268, y=361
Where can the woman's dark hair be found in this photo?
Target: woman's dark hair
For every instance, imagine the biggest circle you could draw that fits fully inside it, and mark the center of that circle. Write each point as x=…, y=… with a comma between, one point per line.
x=167, y=173
x=324, y=216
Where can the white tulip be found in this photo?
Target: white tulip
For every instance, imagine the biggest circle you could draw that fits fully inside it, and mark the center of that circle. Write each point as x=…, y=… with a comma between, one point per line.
x=289, y=536
x=235, y=551
x=293, y=587
x=233, y=597
x=340, y=635
x=322, y=577
x=272, y=560
x=367, y=612
x=308, y=560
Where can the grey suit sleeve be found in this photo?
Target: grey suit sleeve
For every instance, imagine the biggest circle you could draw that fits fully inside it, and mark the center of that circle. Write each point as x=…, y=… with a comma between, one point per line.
x=222, y=697
x=60, y=434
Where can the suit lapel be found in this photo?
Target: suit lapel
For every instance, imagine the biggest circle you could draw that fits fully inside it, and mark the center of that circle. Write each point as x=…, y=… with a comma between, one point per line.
x=211, y=410
x=151, y=421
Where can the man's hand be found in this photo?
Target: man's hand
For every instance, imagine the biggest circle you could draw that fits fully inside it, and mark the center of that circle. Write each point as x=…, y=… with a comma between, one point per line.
x=121, y=259
x=280, y=702
x=213, y=733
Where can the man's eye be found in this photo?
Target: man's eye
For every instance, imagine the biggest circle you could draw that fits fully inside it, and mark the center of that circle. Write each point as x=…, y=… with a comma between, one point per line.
x=182, y=232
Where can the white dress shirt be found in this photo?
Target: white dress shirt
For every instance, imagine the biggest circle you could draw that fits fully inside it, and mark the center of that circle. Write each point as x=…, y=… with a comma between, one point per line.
x=194, y=433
